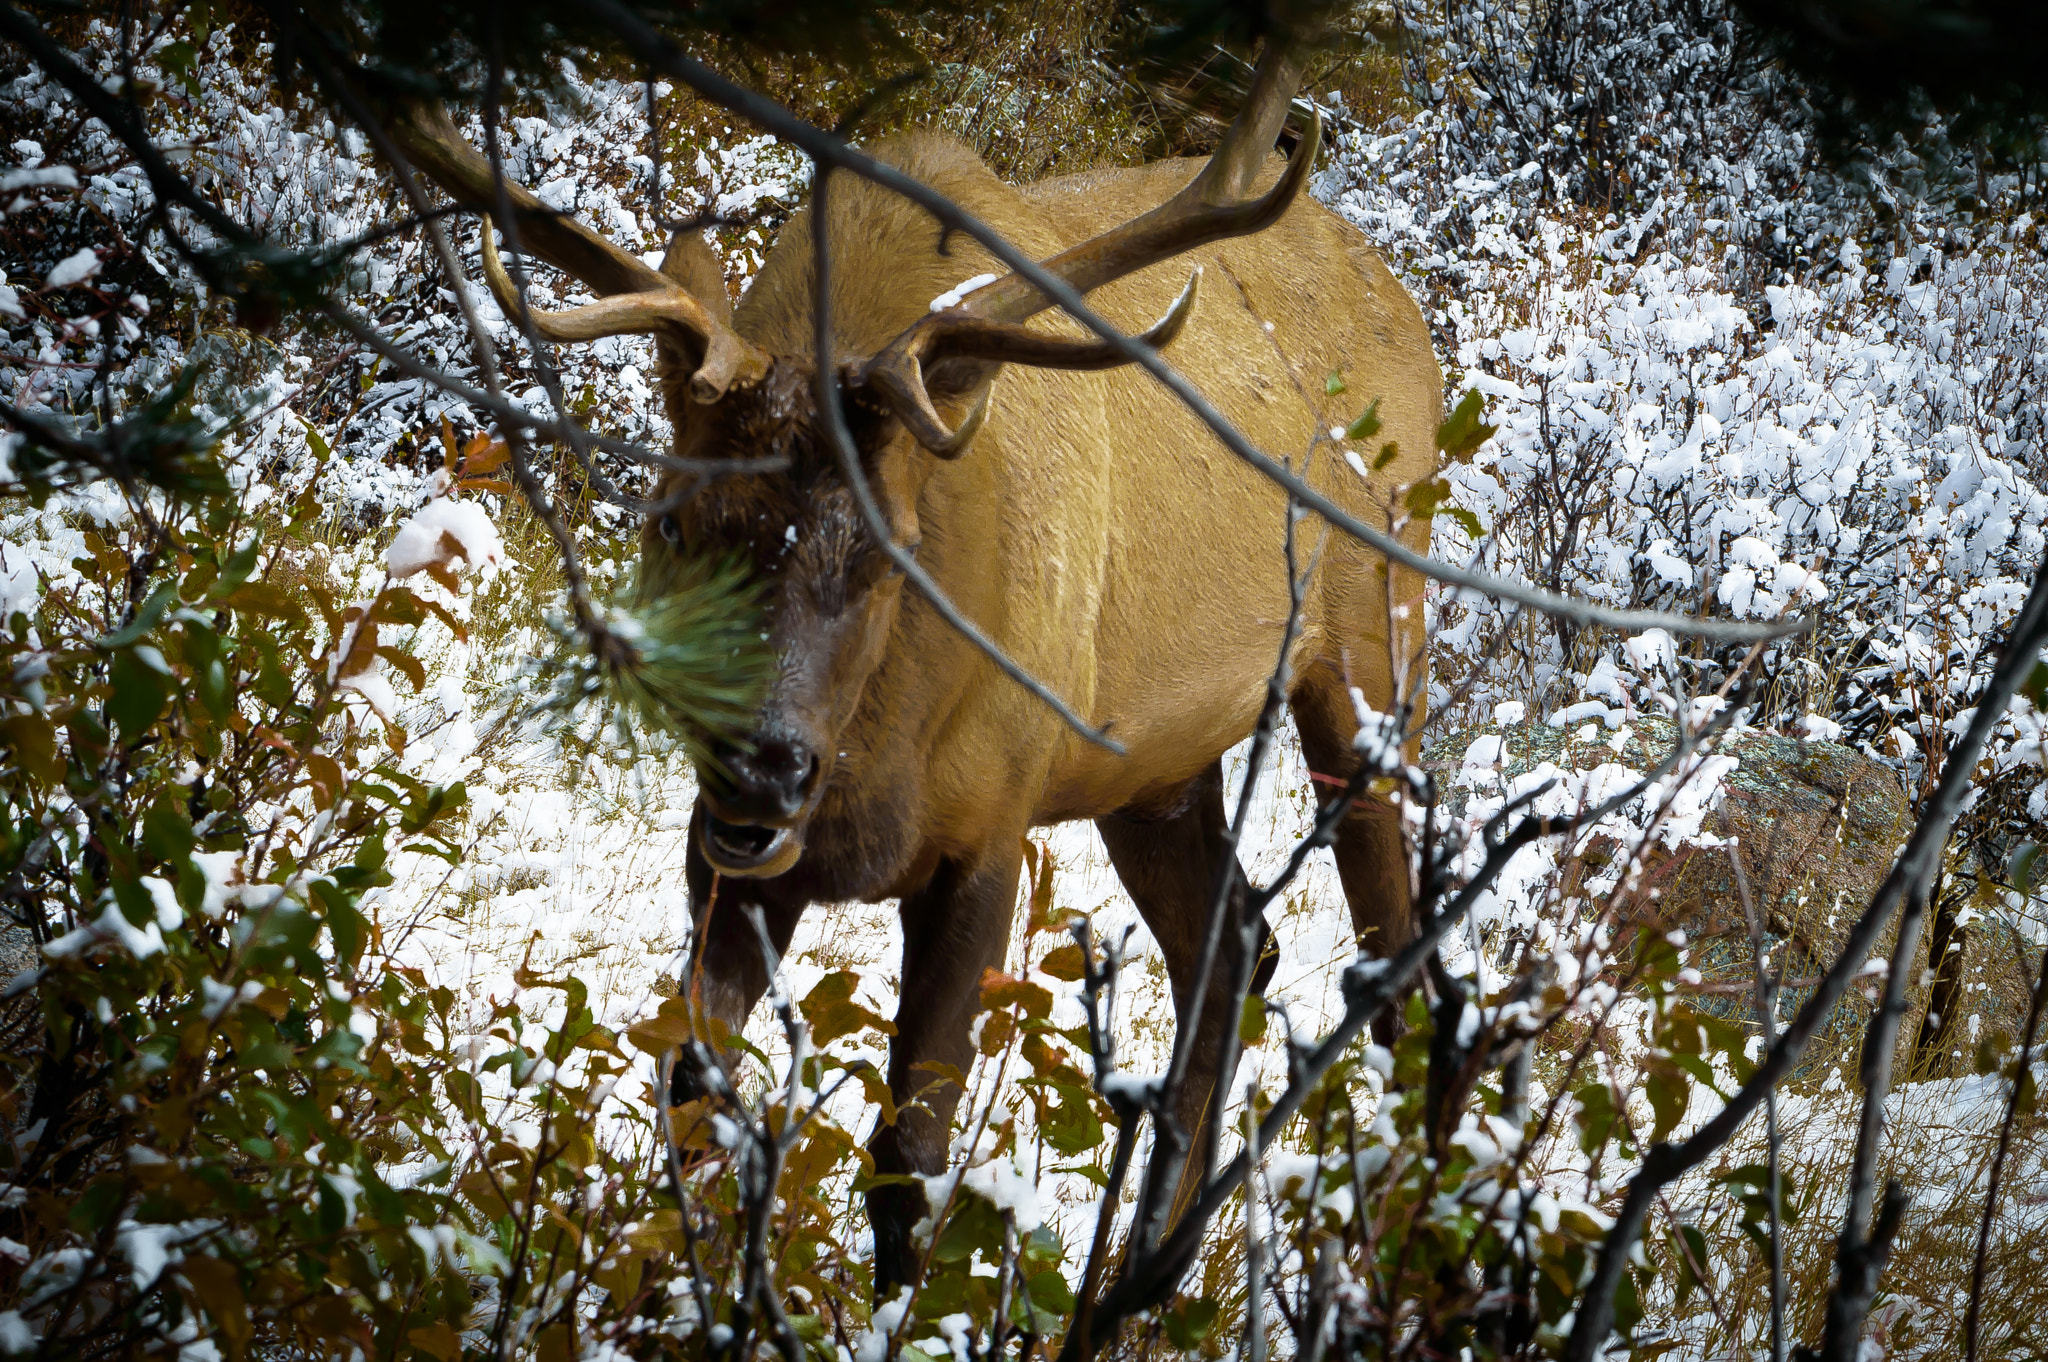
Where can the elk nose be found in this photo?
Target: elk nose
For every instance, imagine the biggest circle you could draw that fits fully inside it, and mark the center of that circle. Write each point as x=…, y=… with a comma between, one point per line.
x=770, y=778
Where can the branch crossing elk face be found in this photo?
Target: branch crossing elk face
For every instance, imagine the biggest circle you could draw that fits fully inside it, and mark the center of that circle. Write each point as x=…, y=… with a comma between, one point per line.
x=1085, y=521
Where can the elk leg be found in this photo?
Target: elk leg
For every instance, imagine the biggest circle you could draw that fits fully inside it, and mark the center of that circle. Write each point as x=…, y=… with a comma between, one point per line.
x=955, y=929
x=726, y=970
x=1372, y=860
x=1169, y=867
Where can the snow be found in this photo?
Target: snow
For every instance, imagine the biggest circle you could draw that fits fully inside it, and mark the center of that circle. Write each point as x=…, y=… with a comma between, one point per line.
x=440, y=531
x=74, y=269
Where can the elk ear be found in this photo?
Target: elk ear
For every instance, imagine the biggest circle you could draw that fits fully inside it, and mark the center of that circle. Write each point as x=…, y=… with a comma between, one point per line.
x=692, y=263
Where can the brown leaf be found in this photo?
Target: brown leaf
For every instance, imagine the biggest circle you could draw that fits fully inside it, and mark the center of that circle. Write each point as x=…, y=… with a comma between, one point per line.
x=263, y=598
x=1006, y=990
x=33, y=740
x=449, y=457
x=436, y=1340
x=482, y=454
x=444, y=574
x=362, y=651
x=406, y=664
x=830, y=1009
x=217, y=1287
x=948, y=1072
x=327, y=779
x=665, y=1030
x=1040, y=918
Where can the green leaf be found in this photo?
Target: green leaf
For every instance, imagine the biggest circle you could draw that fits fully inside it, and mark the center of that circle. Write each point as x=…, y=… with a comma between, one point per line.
x=316, y=442
x=1334, y=384
x=1188, y=1322
x=1069, y=1125
x=1424, y=497
x=1251, y=1023
x=1367, y=425
x=2035, y=687
x=1670, y=1092
x=139, y=695
x=1467, y=521
x=145, y=619
x=209, y=672
x=98, y=1207
x=239, y=566
x=1596, y=1117
x=1389, y=452
x=1049, y=1291
x=1461, y=434
x=2024, y=867
x=167, y=830
x=973, y=1226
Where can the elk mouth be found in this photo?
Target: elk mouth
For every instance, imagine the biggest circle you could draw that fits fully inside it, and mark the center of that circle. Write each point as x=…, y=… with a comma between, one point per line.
x=748, y=849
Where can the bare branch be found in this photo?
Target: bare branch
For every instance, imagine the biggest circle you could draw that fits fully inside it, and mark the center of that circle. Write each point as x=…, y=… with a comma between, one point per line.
x=2022, y=1083
x=1767, y=983
x=1368, y=986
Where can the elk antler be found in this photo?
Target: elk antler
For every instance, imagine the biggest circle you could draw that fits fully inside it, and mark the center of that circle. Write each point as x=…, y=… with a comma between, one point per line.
x=667, y=307
x=1210, y=207
x=899, y=370
x=637, y=298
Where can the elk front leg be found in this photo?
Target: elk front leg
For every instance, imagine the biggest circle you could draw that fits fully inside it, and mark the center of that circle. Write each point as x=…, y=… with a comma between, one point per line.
x=954, y=930
x=726, y=972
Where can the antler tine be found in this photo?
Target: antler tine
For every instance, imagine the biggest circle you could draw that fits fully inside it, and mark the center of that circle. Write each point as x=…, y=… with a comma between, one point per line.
x=1210, y=207
x=670, y=308
x=899, y=370
x=638, y=298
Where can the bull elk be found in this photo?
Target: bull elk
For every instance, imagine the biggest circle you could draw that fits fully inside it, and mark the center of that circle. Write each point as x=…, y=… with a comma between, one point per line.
x=1073, y=508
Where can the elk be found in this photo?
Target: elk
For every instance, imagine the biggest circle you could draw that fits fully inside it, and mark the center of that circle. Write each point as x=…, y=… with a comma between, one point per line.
x=1071, y=506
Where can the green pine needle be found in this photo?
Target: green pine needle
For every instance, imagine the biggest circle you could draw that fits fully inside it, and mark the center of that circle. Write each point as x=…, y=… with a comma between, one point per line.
x=686, y=658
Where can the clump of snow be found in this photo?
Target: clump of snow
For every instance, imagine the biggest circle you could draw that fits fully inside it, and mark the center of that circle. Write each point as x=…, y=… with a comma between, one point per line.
x=75, y=268
x=442, y=531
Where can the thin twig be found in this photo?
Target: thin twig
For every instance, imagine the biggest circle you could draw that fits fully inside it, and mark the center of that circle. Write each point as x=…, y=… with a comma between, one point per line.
x=1368, y=986
x=1767, y=1018
x=2022, y=1084
x=1254, y=1276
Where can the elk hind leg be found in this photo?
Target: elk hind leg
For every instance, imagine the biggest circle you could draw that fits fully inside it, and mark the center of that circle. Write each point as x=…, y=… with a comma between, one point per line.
x=1371, y=855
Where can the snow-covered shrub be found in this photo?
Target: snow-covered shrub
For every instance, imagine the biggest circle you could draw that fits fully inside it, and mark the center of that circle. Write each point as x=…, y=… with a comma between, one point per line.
x=1723, y=381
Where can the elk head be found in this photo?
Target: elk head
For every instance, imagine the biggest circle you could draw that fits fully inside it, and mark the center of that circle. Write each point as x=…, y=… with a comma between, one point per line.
x=830, y=592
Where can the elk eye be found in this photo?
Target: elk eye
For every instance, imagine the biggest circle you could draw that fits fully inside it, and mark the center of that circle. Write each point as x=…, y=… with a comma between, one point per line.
x=671, y=531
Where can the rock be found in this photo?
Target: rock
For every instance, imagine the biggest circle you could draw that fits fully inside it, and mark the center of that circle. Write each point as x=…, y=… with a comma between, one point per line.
x=1816, y=826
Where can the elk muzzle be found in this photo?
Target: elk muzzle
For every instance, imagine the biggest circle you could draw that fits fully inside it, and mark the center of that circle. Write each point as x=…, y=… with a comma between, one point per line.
x=756, y=799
